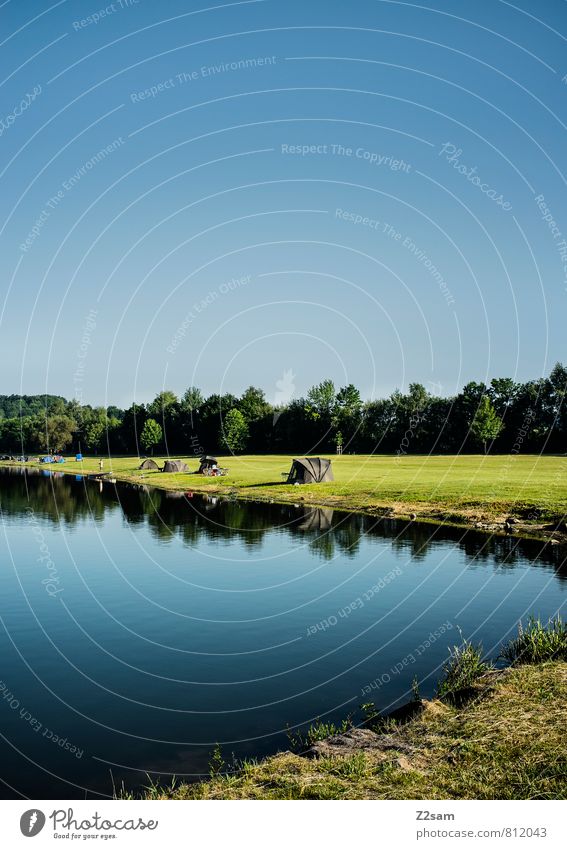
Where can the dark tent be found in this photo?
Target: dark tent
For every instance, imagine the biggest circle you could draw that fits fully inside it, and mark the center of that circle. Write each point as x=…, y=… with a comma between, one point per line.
x=310, y=470
x=175, y=466
x=209, y=466
x=149, y=464
x=207, y=463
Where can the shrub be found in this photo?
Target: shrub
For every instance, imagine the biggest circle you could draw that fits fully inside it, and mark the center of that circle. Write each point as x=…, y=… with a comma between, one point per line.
x=415, y=694
x=370, y=714
x=464, y=666
x=216, y=763
x=375, y=721
x=537, y=642
x=301, y=740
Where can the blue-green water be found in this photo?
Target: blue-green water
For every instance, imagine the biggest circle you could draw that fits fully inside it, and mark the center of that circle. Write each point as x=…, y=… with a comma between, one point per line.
x=140, y=629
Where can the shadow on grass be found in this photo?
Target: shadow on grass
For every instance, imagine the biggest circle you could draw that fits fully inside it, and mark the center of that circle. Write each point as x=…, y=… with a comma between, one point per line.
x=260, y=485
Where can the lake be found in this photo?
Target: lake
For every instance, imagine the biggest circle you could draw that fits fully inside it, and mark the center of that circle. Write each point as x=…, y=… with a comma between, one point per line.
x=140, y=628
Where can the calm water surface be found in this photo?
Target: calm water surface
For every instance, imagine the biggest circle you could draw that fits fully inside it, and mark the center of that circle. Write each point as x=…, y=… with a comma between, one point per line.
x=140, y=628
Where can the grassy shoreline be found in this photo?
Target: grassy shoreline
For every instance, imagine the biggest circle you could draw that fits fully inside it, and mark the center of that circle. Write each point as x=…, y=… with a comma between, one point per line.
x=488, y=734
x=463, y=490
x=507, y=742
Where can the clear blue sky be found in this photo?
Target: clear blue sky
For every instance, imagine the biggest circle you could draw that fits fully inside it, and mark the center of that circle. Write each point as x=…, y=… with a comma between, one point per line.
x=148, y=160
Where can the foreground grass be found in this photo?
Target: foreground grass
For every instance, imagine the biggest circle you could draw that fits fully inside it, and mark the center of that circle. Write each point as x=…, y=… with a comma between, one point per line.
x=537, y=642
x=462, y=670
x=463, y=488
x=508, y=743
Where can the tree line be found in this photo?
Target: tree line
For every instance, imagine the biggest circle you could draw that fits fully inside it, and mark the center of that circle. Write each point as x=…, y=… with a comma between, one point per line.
x=501, y=417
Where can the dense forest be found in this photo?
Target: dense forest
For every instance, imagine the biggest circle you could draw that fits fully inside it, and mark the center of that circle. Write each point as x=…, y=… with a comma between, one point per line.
x=504, y=416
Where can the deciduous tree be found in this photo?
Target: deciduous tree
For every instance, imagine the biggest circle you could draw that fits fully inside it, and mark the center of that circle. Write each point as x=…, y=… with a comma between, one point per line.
x=151, y=435
x=486, y=425
x=234, y=431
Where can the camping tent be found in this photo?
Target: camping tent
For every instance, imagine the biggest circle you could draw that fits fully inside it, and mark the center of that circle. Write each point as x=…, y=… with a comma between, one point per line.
x=149, y=464
x=175, y=466
x=207, y=463
x=310, y=470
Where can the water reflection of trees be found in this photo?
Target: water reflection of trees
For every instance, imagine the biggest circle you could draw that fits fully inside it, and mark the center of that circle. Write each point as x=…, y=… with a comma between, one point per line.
x=193, y=519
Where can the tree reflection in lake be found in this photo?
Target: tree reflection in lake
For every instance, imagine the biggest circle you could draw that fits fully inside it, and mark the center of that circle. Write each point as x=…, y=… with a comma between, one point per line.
x=170, y=515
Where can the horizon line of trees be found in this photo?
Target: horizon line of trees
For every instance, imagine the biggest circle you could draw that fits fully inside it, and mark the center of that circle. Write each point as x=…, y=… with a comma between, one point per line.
x=503, y=416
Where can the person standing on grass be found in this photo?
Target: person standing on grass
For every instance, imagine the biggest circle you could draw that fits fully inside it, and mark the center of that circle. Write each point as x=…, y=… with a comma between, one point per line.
x=100, y=464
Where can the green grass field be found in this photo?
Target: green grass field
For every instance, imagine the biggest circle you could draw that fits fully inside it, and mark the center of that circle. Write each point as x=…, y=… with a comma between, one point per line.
x=452, y=488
